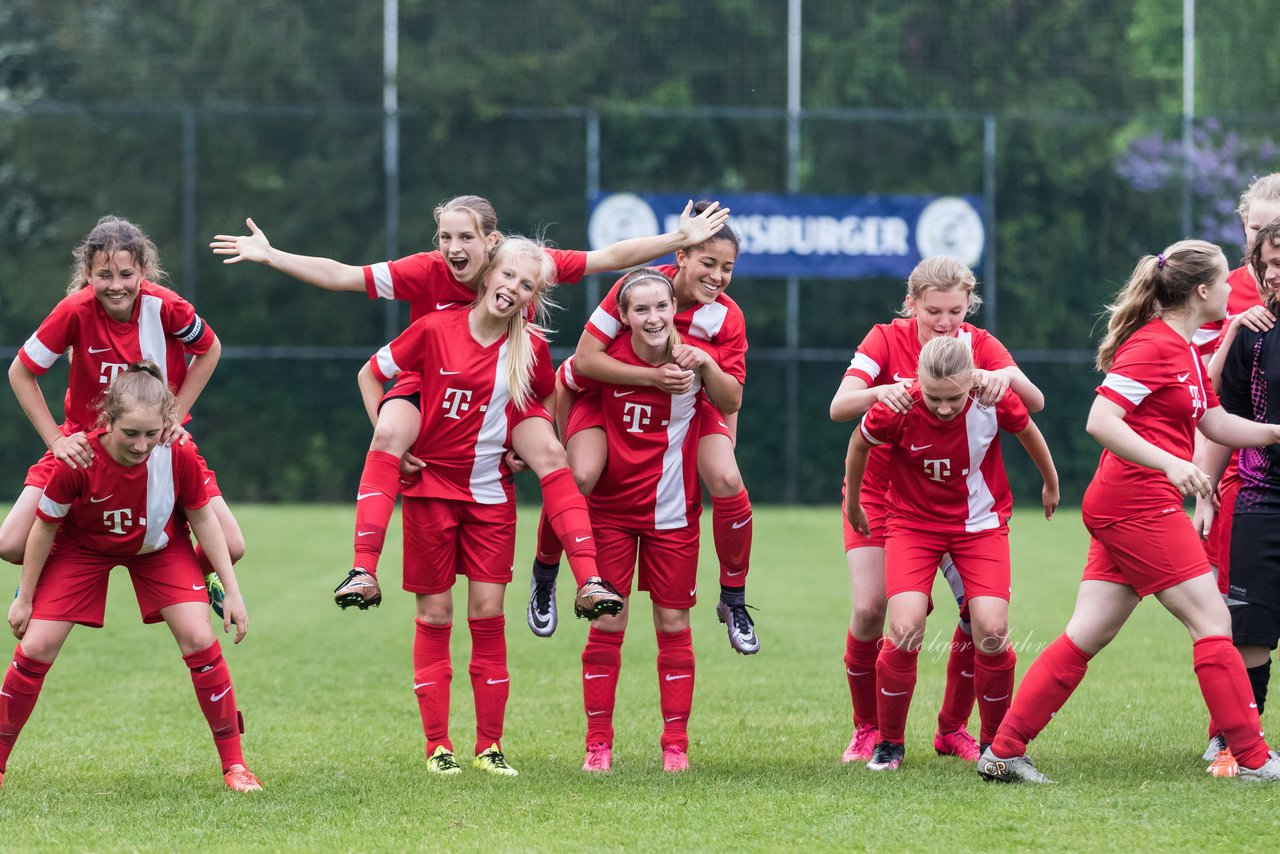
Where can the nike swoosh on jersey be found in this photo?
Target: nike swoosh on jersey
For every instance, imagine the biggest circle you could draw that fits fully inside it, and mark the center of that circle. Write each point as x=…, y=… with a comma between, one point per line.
x=95, y=351
x=1182, y=378
x=93, y=500
x=917, y=448
x=623, y=393
x=899, y=378
x=197, y=587
x=441, y=306
x=445, y=373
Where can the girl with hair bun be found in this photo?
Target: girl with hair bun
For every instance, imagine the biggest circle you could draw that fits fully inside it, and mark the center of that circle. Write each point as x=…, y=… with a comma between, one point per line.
x=131, y=508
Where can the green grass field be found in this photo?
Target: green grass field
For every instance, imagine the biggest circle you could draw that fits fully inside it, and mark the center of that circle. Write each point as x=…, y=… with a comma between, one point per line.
x=117, y=755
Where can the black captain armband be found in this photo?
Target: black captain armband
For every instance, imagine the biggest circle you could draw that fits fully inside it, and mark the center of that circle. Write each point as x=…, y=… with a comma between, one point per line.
x=192, y=332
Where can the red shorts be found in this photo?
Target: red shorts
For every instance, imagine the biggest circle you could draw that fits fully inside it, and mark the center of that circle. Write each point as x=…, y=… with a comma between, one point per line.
x=40, y=473
x=1148, y=553
x=444, y=538
x=711, y=420
x=875, y=511
x=911, y=558
x=668, y=562
x=73, y=586
x=408, y=385
x=535, y=409
x=1218, y=546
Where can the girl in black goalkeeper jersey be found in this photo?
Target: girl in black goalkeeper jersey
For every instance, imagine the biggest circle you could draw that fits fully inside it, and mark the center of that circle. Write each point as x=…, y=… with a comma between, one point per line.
x=1250, y=388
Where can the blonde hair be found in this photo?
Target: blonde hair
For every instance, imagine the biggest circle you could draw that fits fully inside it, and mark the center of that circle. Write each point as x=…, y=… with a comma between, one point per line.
x=940, y=273
x=521, y=330
x=648, y=274
x=945, y=357
x=1268, y=235
x=1264, y=189
x=139, y=386
x=1158, y=283
x=111, y=235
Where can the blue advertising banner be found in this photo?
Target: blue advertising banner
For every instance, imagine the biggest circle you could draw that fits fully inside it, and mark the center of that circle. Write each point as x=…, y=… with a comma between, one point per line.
x=832, y=237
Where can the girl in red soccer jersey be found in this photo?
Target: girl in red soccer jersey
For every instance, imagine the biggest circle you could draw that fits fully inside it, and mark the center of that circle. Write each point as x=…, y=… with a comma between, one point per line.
x=948, y=495
x=1150, y=403
x=647, y=501
x=446, y=278
x=131, y=507
x=940, y=294
x=715, y=325
x=114, y=314
x=484, y=373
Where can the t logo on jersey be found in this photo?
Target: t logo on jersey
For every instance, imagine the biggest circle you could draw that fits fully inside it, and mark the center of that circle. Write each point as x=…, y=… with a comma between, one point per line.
x=637, y=416
x=938, y=469
x=109, y=372
x=117, y=520
x=456, y=400
x=1197, y=403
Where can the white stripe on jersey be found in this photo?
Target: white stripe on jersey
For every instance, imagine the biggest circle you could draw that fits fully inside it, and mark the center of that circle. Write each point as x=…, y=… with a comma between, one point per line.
x=1204, y=336
x=570, y=381
x=669, y=508
x=160, y=498
x=486, y=478
x=382, y=285
x=866, y=364
x=862, y=426
x=386, y=364
x=51, y=509
x=1131, y=390
x=40, y=354
x=966, y=336
x=606, y=323
x=151, y=333
x=707, y=321
x=982, y=427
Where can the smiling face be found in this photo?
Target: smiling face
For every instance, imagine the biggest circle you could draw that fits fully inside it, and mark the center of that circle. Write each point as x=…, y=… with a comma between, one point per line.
x=650, y=312
x=134, y=434
x=464, y=247
x=705, y=271
x=946, y=397
x=115, y=280
x=939, y=312
x=510, y=286
x=1270, y=287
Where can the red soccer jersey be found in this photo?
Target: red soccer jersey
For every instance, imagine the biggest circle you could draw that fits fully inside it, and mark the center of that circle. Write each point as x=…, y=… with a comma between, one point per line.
x=113, y=509
x=1243, y=296
x=720, y=324
x=890, y=354
x=650, y=479
x=467, y=413
x=164, y=328
x=947, y=475
x=1158, y=378
x=427, y=283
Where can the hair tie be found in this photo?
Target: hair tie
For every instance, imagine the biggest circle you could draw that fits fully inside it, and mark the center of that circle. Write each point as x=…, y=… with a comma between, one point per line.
x=1160, y=261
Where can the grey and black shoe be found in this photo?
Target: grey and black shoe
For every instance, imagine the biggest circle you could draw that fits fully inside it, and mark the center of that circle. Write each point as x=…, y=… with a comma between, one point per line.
x=1017, y=769
x=541, y=614
x=887, y=756
x=1217, y=744
x=742, y=630
x=1268, y=773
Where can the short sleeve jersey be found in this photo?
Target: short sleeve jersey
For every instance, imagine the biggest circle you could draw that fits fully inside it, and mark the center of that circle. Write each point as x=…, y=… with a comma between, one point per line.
x=164, y=328
x=890, y=353
x=720, y=324
x=119, y=510
x=1243, y=296
x=1251, y=389
x=467, y=411
x=427, y=283
x=1157, y=377
x=650, y=478
x=947, y=475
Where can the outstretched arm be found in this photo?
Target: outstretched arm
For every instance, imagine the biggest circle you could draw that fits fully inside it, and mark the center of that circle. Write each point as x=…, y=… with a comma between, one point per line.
x=321, y=272
x=1038, y=449
x=640, y=250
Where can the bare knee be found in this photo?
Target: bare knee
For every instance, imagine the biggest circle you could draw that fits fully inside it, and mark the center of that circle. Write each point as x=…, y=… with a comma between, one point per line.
x=436, y=610
x=868, y=619
x=724, y=483
x=392, y=437
x=668, y=620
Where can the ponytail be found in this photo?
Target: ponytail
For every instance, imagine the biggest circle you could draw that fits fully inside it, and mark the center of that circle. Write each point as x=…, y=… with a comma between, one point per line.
x=141, y=385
